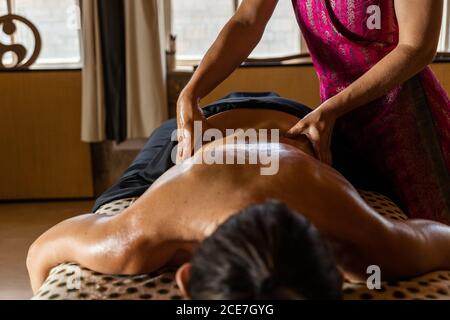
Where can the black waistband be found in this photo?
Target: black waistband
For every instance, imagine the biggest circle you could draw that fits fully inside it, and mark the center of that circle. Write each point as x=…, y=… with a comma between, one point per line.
x=264, y=100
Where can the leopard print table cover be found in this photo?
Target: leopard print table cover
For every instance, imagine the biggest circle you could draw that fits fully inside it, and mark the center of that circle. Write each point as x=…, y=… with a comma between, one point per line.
x=70, y=281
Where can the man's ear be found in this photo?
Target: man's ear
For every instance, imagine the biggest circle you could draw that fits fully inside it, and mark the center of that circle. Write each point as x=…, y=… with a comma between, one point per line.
x=182, y=277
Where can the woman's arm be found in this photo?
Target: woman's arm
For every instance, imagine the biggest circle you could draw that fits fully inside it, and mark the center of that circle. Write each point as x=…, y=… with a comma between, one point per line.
x=234, y=44
x=419, y=28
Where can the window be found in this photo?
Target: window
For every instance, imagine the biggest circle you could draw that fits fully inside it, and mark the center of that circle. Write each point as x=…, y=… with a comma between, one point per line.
x=58, y=22
x=196, y=23
x=282, y=34
x=444, y=44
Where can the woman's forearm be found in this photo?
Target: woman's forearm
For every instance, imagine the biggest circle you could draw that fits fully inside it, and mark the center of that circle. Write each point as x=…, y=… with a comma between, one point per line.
x=397, y=67
x=232, y=47
x=234, y=44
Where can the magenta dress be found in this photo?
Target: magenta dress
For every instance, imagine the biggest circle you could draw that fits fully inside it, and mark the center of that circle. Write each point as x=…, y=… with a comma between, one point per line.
x=402, y=139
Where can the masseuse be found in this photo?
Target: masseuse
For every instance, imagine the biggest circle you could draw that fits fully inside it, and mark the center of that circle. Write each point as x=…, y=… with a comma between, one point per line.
x=379, y=98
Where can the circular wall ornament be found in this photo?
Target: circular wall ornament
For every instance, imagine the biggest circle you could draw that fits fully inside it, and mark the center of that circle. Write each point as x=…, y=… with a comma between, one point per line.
x=19, y=52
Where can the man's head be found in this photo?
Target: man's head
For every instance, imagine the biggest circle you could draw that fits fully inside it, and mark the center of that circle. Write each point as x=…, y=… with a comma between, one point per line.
x=265, y=251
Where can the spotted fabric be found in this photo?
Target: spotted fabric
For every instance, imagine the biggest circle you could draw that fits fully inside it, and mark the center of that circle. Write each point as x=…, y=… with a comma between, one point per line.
x=115, y=207
x=73, y=282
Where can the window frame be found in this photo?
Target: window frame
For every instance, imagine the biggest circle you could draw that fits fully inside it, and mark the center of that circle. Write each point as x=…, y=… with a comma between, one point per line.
x=69, y=65
x=444, y=43
x=443, y=49
x=187, y=63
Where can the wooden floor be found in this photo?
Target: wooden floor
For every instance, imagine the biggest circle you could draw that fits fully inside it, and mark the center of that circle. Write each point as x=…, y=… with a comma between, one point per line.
x=20, y=225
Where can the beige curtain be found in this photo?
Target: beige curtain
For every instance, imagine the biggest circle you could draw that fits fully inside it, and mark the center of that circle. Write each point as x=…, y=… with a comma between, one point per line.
x=146, y=86
x=147, y=27
x=93, y=104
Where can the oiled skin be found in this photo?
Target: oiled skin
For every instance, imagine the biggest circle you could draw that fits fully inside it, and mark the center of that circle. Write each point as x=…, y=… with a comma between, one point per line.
x=189, y=201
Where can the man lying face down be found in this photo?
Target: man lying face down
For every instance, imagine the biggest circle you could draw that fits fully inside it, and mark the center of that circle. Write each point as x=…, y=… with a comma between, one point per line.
x=217, y=222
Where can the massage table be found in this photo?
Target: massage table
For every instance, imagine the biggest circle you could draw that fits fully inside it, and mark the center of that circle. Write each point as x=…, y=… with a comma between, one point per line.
x=74, y=282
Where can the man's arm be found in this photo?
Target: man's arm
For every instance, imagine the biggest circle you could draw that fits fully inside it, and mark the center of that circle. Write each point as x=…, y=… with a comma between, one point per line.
x=83, y=239
x=414, y=248
x=400, y=249
x=110, y=245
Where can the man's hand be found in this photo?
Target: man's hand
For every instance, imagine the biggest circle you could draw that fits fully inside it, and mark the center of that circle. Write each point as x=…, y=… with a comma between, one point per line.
x=188, y=112
x=318, y=128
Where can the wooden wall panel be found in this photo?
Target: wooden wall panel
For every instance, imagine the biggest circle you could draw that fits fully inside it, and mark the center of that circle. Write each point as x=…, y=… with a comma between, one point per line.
x=42, y=156
x=299, y=83
x=442, y=71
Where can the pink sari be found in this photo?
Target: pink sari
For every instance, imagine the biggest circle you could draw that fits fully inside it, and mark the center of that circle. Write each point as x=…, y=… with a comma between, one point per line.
x=403, y=138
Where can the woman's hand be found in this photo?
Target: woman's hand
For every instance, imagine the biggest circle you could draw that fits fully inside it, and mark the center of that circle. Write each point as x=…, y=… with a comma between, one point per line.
x=188, y=113
x=318, y=128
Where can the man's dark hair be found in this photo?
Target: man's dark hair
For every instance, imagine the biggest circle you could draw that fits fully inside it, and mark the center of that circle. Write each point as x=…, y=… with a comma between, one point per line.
x=266, y=251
